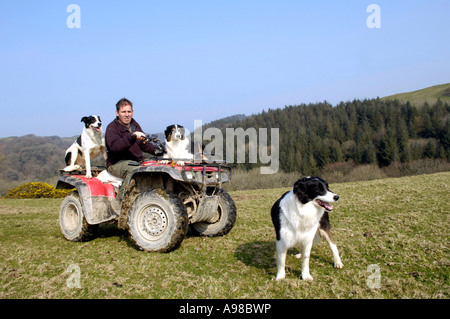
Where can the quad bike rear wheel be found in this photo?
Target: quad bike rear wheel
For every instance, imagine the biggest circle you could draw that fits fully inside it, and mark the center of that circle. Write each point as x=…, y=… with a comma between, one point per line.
x=157, y=221
x=72, y=220
x=224, y=218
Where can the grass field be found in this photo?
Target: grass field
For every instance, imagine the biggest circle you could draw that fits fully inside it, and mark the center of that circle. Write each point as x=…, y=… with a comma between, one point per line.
x=430, y=95
x=396, y=226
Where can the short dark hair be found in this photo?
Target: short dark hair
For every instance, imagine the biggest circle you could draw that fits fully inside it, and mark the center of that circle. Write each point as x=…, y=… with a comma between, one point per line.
x=122, y=102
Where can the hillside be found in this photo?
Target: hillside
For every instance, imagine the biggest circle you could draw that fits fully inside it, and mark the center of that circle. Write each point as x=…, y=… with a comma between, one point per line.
x=375, y=131
x=30, y=158
x=313, y=137
x=38, y=158
x=419, y=97
x=225, y=122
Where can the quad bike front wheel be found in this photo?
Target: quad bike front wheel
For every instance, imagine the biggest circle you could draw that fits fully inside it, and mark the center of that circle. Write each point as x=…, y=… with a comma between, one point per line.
x=72, y=221
x=157, y=221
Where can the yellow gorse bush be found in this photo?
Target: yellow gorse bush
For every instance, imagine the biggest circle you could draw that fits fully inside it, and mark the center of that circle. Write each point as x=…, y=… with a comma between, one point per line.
x=37, y=190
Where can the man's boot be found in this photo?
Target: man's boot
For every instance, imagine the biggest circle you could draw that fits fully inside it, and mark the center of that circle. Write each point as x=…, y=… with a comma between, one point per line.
x=116, y=203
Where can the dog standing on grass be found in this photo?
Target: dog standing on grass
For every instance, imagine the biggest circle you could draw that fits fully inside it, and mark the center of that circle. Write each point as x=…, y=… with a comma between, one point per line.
x=300, y=218
x=90, y=144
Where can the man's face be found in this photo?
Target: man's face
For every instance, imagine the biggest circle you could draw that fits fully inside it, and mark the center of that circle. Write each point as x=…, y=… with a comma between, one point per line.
x=125, y=114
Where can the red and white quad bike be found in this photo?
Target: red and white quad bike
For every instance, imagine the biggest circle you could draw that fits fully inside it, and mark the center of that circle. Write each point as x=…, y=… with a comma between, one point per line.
x=159, y=204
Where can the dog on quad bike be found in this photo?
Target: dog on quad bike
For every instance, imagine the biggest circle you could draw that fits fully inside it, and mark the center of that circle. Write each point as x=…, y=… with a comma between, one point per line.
x=178, y=146
x=90, y=144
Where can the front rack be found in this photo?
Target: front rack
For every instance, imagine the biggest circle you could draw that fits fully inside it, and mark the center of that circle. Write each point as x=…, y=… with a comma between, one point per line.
x=206, y=173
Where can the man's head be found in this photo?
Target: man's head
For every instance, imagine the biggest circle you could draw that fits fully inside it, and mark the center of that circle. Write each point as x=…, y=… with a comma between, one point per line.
x=124, y=111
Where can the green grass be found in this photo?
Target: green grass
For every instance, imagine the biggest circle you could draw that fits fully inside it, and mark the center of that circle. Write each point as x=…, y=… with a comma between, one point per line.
x=419, y=97
x=399, y=224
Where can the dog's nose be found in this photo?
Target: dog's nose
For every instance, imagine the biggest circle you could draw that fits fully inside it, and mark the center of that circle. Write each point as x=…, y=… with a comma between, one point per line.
x=335, y=197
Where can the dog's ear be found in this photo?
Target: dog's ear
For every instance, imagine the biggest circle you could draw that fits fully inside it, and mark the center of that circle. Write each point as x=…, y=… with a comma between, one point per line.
x=168, y=132
x=300, y=190
x=182, y=131
x=84, y=119
x=98, y=116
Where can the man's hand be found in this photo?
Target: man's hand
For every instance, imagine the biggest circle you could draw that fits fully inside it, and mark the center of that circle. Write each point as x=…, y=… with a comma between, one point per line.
x=139, y=136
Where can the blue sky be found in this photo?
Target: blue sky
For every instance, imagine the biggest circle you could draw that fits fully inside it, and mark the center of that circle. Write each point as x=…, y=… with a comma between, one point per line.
x=180, y=61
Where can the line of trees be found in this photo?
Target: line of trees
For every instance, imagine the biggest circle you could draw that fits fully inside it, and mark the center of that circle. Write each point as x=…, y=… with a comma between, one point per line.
x=372, y=131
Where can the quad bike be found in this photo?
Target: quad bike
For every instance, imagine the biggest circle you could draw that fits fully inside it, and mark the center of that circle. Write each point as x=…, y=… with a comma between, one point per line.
x=161, y=201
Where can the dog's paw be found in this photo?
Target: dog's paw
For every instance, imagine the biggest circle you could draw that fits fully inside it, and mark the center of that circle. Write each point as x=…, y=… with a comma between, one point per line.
x=307, y=277
x=88, y=176
x=338, y=265
x=298, y=256
x=164, y=161
x=180, y=163
x=280, y=277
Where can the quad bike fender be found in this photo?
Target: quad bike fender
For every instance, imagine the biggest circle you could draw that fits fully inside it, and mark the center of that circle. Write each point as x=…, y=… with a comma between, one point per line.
x=165, y=169
x=95, y=197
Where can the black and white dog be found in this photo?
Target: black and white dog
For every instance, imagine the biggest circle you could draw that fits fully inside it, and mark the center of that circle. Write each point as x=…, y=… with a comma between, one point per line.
x=300, y=218
x=177, y=145
x=89, y=145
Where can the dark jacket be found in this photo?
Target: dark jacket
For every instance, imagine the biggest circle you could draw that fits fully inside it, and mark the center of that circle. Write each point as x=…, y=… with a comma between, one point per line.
x=121, y=145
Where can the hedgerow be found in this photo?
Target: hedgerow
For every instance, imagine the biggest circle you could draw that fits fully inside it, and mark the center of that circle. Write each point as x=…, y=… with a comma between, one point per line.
x=37, y=190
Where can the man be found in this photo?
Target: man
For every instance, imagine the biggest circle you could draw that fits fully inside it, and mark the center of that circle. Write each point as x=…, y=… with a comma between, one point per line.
x=125, y=143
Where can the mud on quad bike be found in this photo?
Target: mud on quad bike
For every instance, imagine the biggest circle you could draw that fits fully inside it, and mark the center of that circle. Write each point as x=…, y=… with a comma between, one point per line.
x=160, y=203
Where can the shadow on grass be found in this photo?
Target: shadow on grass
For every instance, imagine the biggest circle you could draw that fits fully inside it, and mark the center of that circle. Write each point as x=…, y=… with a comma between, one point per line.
x=110, y=230
x=259, y=254
x=262, y=255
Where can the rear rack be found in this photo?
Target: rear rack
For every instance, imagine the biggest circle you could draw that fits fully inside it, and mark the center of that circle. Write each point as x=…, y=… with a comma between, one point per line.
x=95, y=170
